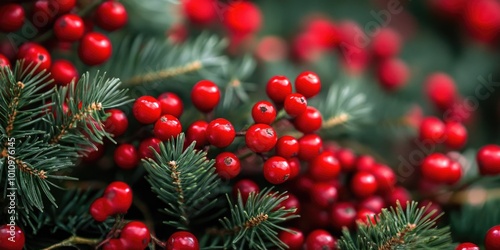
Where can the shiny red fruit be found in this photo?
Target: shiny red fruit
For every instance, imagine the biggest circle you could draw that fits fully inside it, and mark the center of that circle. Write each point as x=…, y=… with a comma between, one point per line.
x=492, y=239
x=220, y=133
x=385, y=177
x=295, y=104
x=309, y=121
x=294, y=240
x=63, y=72
x=441, y=90
x=200, y=12
x=101, y=209
x=95, y=153
x=278, y=88
x=260, y=138
x=320, y=239
x=263, y=112
x=364, y=215
x=145, y=150
x=393, y=74
x=35, y=54
x=11, y=237
x=292, y=202
x=4, y=61
x=287, y=146
x=365, y=163
x=323, y=194
x=119, y=195
x=245, y=187
x=455, y=135
x=432, y=131
x=372, y=203
x=363, y=184
x=171, y=104
x=343, y=215
x=436, y=167
x=114, y=244
x=182, y=240
x=310, y=146
x=205, y=95
x=94, y=49
x=62, y=6
x=126, y=156
x=276, y=170
x=346, y=158
x=146, y=109
x=167, y=127
x=398, y=194
x=111, y=15
x=135, y=235
x=454, y=173
x=467, y=246
x=308, y=84
x=386, y=43
x=488, y=159
x=324, y=167
x=197, y=132
x=294, y=164
x=117, y=122
x=242, y=18
x=69, y=28
x=11, y=17
x=227, y=165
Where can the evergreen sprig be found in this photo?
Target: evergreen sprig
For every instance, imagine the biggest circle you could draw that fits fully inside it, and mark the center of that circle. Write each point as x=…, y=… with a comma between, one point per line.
x=185, y=180
x=398, y=228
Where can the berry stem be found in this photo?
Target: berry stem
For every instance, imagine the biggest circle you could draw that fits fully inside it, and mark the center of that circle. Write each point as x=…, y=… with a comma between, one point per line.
x=158, y=242
x=73, y=241
x=241, y=133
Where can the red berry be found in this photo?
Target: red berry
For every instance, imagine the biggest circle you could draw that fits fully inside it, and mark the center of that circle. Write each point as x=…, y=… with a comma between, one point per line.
x=488, y=159
x=146, y=109
x=324, y=31
x=145, y=150
x=392, y=74
x=309, y=121
x=343, y=215
x=385, y=177
x=200, y=12
x=205, y=95
x=372, y=203
x=116, y=123
x=182, y=240
x=364, y=214
x=167, y=127
x=171, y=104
x=295, y=104
x=94, y=48
x=365, y=163
x=398, y=194
x=454, y=173
x=432, y=130
x=308, y=84
x=320, y=239
x=294, y=164
x=34, y=54
x=101, y=209
x=294, y=240
x=482, y=19
x=386, y=43
x=467, y=246
x=62, y=6
x=309, y=147
x=114, y=244
x=111, y=15
x=292, y=202
x=11, y=237
x=263, y=112
x=119, y=195
x=363, y=184
x=227, y=165
x=260, y=138
x=455, y=135
x=135, y=235
x=287, y=146
x=436, y=167
x=63, y=72
x=43, y=13
x=432, y=207
x=11, y=17
x=69, y=28
x=492, y=239
x=441, y=90
x=94, y=153
x=324, y=167
x=323, y=194
x=276, y=170
x=245, y=187
x=278, y=88
x=242, y=18
x=126, y=156
x=220, y=133
x=4, y=61
x=346, y=158
x=197, y=132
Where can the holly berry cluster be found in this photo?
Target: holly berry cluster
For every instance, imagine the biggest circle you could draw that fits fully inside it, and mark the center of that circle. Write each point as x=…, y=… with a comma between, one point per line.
x=491, y=241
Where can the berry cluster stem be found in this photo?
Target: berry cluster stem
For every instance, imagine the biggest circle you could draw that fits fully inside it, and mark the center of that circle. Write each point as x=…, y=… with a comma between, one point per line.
x=73, y=241
x=165, y=73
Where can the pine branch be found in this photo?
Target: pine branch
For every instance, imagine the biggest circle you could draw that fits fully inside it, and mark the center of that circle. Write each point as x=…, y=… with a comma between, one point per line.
x=185, y=180
x=399, y=229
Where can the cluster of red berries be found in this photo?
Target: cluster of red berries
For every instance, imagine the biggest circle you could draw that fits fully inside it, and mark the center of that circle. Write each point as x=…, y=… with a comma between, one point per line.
x=11, y=237
x=433, y=131
x=491, y=241
x=134, y=235
x=117, y=199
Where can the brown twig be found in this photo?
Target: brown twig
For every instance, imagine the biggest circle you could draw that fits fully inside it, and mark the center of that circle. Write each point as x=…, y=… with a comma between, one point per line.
x=13, y=108
x=335, y=121
x=177, y=182
x=74, y=240
x=250, y=223
x=398, y=239
x=165, y=73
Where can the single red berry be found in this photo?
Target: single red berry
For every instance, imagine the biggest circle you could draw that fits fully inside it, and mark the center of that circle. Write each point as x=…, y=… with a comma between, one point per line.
x=364, y=215
x=393, y=74
x=227, y=165
x=482, y=19
x=220, y=133
x=101, y=209
x=205, y=95
x=310, y=146
x=363, y=184
x=197, y=132
x=455, y=135
x=278, y=88
x=11, y=237
x=136, y=235
x=323, y=194
x=436, y=167
x=260, y=138
x=295, y=104
x=4, y=61
x=94, y=48
x=116, y=123
x=294, y=240
x=365, y=163
x=62, y=6
x=324, y=30
x=346, y=158
x=488, y=159
x=287, y=146
x=294, y=164
x=433, y=209
x=320, y=239
x=146, y=109
x=492, y=239
x=245, y=187
x=432, y=131
x=200, y=12
x=386, y=43
x=385, y=177
x=309, y=121
x=343, y=215
x=454, y=173
x=276, y=170
x=441, y=90
x=35, y=54
x=11, y=17
x=398, y=194
x=126, y=156
x=263, y=112
x=182, y=240
x=242, y=18
x=43, y=13
x=167, y=127
x=467, y=246
x=114, y=244
x=308, y=84
x=69, y=28
x=111, y=15
x=63, y=72
x=94, y=153
x=372, y=203
x=324, y=167
x=119, y=195
x=145, y=150
x=171, y=104
x=292, y=202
